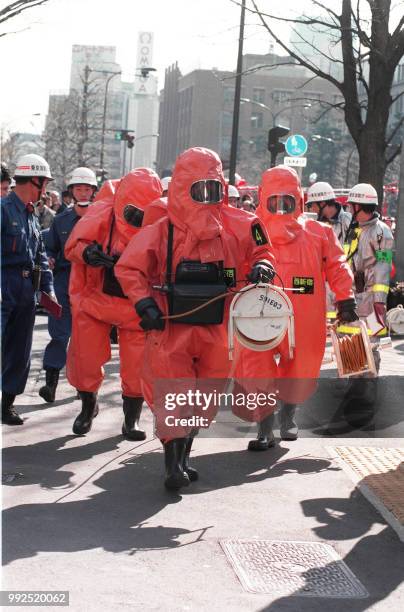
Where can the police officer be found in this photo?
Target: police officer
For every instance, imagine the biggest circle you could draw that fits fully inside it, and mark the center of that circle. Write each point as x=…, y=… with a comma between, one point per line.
x=82, y=186
x=23, y=255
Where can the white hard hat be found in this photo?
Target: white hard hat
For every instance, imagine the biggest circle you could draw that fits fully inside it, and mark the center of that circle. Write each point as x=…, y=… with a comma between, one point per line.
x=364, y=194
x=233, y=192
x=82, y=176
x=165, y=181
x=260, y=317
x=320, y=192
x=32, y=165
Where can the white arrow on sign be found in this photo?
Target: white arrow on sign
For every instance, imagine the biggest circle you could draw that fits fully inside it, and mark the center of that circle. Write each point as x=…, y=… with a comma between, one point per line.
x=301, y=162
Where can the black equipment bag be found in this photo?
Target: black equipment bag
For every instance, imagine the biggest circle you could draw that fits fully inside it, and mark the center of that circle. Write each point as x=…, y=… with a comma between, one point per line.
x=111, y=285
x=195, y=284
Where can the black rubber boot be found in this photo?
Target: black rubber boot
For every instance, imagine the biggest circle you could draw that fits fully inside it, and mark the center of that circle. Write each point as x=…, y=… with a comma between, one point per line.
x=288, y=426
x=132, y=409
x=265, y=438
x=48, y=391
x=9, y=416
x=192, y=472
x=174, y=455
x=89, y=410
x=360, y=401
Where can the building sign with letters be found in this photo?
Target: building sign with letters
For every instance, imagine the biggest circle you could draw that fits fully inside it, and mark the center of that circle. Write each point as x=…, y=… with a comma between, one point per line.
x=145, y=85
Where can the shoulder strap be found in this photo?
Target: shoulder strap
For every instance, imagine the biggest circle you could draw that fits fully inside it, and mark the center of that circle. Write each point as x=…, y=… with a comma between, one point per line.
x=169, y=253
x=110, y=234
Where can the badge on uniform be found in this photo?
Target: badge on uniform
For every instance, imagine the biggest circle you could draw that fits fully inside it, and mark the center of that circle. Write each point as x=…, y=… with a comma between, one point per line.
x=230, y=276
x=304, y=283
x=258, y=234
x=384, y=256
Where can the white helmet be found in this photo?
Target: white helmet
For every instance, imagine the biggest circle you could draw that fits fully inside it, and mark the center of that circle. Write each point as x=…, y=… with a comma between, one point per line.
x=233, y=192
x=165, y=181
x=364, y=194
x=82, y=176
x=320, y=192
x=32, y=165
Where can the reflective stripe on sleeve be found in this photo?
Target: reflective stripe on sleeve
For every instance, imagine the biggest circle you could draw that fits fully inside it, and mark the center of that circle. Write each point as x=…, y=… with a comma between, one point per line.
x=380, y=288
x=331, y=314
x=347, y=329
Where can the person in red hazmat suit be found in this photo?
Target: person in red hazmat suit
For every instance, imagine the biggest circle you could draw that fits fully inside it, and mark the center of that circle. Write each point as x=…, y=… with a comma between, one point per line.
x=98, y=301
x=195, y=257
x=307, y=254
x=107, y=190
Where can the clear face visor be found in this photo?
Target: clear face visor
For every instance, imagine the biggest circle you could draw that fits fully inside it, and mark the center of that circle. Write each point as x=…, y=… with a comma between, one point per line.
x=133, y=215
x=281, y=204
x=207, y=192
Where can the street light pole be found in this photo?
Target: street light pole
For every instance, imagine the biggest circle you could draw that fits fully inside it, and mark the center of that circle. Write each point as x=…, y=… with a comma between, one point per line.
x=237, y=94
x=104, y=114
x=136, y=141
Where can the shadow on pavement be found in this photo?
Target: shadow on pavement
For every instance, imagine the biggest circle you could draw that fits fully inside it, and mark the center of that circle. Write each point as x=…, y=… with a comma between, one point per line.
x=41, y=463
x=376, y=560
x=116, y=518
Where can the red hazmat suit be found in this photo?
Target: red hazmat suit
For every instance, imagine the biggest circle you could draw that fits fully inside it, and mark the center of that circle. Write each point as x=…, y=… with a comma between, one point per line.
x=94, y=311
x=107, y=191
x=200, y=234
x=307, y=254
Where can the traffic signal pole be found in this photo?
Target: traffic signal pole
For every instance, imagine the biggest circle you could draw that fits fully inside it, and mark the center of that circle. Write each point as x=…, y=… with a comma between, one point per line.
x=237, y=95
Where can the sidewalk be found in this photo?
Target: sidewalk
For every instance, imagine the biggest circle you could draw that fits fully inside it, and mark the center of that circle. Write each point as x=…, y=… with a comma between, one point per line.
x=90, y=515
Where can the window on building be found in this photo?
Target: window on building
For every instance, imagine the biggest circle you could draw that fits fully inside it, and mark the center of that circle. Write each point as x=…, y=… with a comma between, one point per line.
x=227, y=119
x=225, y=145
x=228, y=95
x=281, y=95
x=259, y=95
x=257, y=120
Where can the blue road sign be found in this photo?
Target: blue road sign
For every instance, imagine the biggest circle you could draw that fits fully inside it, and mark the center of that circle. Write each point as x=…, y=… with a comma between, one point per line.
x=296, y=145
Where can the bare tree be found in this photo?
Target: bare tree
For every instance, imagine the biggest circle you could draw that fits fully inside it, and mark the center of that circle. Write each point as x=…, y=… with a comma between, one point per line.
x=371, y=50
x=72, y=129
x=16, y=8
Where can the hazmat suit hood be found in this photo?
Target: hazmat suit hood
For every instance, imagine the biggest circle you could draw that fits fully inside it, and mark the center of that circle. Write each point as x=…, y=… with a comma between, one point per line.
x=155, y=211
x=107, y=190
x=280, y=181
x=134, y=193
x=202, y=220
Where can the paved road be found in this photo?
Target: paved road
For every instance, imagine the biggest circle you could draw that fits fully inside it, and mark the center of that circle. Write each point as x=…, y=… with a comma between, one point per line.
x=90, y=515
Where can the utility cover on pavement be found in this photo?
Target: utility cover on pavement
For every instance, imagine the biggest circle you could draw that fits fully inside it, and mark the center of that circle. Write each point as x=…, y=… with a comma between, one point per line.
x=308, y=569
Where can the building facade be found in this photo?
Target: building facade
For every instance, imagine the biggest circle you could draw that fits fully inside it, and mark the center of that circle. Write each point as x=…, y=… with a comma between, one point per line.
x=196, y=109
x=84, y=124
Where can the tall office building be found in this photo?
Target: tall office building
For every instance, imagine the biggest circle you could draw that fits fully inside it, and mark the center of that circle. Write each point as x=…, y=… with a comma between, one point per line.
x=83, y=124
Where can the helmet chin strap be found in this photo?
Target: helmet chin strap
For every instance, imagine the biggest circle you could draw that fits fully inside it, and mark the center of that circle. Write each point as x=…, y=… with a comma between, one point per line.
x=39, y=187
x=320, y=216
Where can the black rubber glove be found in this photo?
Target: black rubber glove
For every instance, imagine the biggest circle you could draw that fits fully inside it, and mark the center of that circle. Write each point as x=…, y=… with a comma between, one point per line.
x=150, y=314
x=346, y=311
x=93, y=255
x=261, y=272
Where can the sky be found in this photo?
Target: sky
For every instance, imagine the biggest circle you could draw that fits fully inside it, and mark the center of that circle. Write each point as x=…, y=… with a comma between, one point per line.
x=36, y=58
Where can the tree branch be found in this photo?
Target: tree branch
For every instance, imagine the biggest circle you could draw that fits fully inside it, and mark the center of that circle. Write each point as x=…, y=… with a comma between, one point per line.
x=394, y=155
x=395, y=130
x=15, y=8
x=298, y=58
x=308, y=21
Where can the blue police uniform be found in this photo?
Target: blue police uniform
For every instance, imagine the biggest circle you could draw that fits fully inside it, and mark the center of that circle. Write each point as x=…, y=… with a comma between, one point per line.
x=21, y=248
x=59, y=329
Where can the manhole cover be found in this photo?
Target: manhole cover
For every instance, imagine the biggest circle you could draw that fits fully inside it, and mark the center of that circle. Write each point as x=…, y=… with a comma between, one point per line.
x=308, y=569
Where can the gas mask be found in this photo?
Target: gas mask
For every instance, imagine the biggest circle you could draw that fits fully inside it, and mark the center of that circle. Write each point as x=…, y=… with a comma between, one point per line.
x=133, y=215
